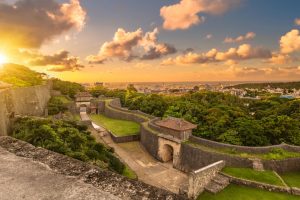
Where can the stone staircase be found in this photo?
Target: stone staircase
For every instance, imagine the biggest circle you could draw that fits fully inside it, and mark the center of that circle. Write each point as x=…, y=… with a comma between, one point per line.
x=217, y=184
x=257, y=165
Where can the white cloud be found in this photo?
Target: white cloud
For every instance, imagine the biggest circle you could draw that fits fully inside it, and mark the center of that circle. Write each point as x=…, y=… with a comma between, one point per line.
x=186, y=13
x=247, y=36
x=32, y=23
x=243, y=52
x=209, y=36
x=297, y=21
x=290, y=42
x=127, y=46
x=57, y=62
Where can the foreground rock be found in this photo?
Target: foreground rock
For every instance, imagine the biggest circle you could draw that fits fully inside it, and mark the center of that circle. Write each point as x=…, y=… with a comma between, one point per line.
x=28, y=172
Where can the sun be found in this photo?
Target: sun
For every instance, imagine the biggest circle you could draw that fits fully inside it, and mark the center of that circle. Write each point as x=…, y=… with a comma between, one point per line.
x=3, y=59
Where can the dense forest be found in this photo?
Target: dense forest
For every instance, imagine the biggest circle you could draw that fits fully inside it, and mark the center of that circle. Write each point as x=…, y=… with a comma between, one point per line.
x=283, y=85
x=66, y=137
x=20, y=76
x=220, y=116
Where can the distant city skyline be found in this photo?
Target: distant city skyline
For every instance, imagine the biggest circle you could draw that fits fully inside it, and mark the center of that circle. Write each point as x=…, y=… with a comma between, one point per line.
x=154, y=41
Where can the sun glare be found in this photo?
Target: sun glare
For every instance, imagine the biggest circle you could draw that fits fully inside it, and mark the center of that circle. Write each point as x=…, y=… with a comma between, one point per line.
x=3, y=59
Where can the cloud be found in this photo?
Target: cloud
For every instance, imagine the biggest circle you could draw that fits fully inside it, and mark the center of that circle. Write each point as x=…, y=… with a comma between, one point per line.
x=290, y=42
x=268, y=72
x=297, y=21
x=243, y=52
x=33, y=22
x=142, y=65
x=209, y=36
x=247, y=36
x=186, y=13
x=127, y=46
x=280, y=59
x=57, y=62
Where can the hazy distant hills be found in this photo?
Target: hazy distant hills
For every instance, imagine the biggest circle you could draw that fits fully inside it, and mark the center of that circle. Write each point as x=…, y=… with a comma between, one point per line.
x=283, y=85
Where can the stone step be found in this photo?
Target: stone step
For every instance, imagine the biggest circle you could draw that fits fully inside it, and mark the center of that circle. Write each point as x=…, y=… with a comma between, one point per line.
x=221, y=180
x=217, y=184
x=257, y=165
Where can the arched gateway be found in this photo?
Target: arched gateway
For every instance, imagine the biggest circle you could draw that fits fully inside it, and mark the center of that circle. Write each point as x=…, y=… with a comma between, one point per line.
x=168, y=153
x=173, y=132
x=168, y=150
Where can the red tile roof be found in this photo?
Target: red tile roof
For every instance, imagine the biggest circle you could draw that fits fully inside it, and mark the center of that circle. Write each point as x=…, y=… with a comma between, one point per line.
x=176, y=124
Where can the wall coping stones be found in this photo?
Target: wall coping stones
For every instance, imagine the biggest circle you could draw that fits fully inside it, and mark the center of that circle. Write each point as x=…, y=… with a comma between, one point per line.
x=221, y=162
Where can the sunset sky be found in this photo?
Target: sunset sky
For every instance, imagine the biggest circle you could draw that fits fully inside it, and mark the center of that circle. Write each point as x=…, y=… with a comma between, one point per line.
x=154, y=40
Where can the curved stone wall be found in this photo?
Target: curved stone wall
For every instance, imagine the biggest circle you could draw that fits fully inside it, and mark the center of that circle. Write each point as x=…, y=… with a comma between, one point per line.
x=282, y=166
x=149, y=140
x=245, y=149
x=193, y=158
x=113, y=109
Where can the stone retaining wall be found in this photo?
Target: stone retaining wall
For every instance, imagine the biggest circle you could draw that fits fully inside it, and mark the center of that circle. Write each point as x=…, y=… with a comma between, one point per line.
x=282, y=166
x=113, y=109
x=30, y=101
x=200, y=178
x=193, y=158
x=123, y=139
x=245, y=149
x=264, y=186
x=149, y=140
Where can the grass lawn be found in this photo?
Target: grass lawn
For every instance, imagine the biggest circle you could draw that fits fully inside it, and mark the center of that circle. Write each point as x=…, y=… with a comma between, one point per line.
x=292, y=179
x=250, y=174
x=116, y=126
x=235, y=192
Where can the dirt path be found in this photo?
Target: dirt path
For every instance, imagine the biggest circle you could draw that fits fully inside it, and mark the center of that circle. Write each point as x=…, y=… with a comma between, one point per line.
x=148, y=169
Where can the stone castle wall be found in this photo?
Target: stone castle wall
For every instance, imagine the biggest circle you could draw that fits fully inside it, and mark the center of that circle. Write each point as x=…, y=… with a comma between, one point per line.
x=149, y=140
x=199, y=179
x=245, y=149
x=193, y=158
x=113, y=109
x=30, y=101
x=282, y=166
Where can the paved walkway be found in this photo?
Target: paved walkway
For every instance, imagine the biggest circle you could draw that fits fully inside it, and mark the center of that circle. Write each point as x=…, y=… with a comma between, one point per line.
x=23, y=178
x=148, y=169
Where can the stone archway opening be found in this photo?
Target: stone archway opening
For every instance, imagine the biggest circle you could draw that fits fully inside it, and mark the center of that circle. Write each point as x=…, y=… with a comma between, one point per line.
x=167, y=153
x=83, y=108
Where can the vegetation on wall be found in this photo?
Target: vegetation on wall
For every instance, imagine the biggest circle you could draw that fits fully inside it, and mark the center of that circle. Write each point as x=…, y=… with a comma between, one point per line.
x=116, y=93
x=20, y=76
x=67, y=88
x=57, y=105
x=66, y=137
